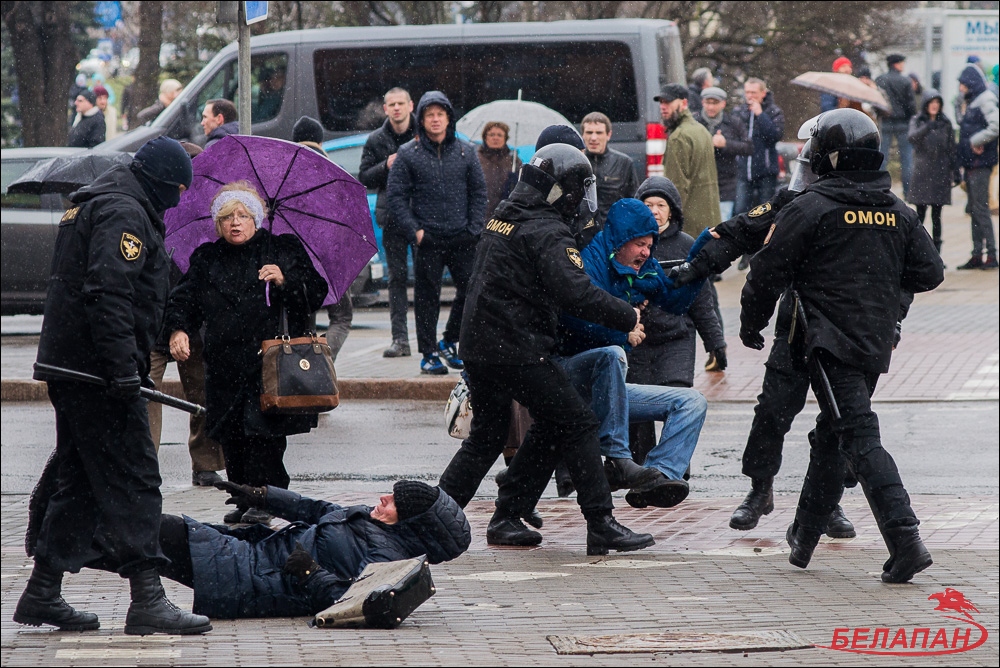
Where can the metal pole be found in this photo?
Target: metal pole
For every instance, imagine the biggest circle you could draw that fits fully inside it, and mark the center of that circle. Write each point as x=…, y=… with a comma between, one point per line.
x=928, y=48
x=244, y=71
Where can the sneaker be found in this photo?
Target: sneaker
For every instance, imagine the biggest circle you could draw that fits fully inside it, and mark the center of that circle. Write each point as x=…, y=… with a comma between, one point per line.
x=975, y=262
x=397, y=349
x=205, y=478
x=431, y=364
x=991, y=262
x=450, y=354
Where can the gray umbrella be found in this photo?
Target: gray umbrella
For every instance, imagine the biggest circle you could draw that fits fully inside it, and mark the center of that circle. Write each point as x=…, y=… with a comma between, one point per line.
x=526, y=120
x=65, y=174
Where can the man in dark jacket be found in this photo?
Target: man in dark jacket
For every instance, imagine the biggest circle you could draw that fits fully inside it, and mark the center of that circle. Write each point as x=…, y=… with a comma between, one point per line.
x=377, y=158
x=437, y=196
x=89, y=127
x=729, y=139
x=765, y=124
x=898, y=89
x=615, y=171
x=527, y=271
x=102, y=316
x=977, y=154
x=219, y=120
x=848, y=293
x=701, y=80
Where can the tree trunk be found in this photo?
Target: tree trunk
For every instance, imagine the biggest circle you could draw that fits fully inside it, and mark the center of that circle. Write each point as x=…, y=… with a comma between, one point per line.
x=44, y=60
x=146, y=87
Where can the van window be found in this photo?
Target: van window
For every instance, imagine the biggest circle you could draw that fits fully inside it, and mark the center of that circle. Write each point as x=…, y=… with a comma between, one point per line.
x=267, y=78
x=671, y=59
x=574, y=78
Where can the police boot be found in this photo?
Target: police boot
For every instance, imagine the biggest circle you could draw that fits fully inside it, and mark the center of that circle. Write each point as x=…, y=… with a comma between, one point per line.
x=760, y=501
x=42, y=603
x=840, y=526
x=802, y=541
x=626, y=474
x=152, y=612
x=909, y=556
x=506, y=530
x=531, y=517
x=605, y=533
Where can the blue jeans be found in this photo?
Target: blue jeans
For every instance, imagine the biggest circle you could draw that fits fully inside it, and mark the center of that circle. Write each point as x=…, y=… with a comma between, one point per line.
x=751, y=193
x=682, y=411
x=599, y=376
x=899, y=130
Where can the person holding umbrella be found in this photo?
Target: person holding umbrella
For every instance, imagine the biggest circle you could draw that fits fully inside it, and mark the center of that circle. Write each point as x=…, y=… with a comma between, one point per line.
x=238, y=287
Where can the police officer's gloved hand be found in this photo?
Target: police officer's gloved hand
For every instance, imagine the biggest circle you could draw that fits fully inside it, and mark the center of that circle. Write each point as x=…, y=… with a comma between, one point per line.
x=125, y=388
x=682, y=274
x=300, y=563
x=243, y=496
x=752, y=339
x=148, y=382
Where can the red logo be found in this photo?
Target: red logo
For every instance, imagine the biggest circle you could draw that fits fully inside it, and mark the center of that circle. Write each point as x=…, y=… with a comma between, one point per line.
x=917, y=641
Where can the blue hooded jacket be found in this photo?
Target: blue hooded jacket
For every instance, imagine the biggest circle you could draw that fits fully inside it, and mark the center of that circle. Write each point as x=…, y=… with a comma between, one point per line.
x=628, y=219
x=979, y=125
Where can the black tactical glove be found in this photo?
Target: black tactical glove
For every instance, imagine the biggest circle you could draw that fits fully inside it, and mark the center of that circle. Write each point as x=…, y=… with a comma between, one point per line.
x=719, y=362
x=897, y=334
x=125, y=388
x=243, y=496
x=149, y=383
x=300, y=563
x=752, y=339
x=682, y=274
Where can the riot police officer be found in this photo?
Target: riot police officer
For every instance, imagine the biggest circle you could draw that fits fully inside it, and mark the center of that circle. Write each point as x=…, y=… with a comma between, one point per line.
x=102, y=315
x=528, y=270
x=849, y=249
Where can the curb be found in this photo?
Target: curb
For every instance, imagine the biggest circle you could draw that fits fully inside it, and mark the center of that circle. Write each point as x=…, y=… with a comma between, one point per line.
x=414, y=389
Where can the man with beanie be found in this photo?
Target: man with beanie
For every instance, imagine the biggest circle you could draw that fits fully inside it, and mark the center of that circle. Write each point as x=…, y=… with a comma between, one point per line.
x=898, y=89
x=89, y=128
x=977, y=155
x=102, y=316
x=377, y=158
x=218, y=120
x=308, y=132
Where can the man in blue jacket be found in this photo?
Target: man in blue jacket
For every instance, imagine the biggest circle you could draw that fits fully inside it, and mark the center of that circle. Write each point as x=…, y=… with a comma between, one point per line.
x=437, y=195
x=977, y=153
x=765, y=123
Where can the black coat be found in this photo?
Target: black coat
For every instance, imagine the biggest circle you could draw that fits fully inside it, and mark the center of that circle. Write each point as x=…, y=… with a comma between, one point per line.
x=89, y=132
x=108, y=282
x=935, y=161
x=221, y=290
x=616, y=178
x=898, y=89
x=374, y=170
x=726, y=163
x=851, y=248
x=527, y=271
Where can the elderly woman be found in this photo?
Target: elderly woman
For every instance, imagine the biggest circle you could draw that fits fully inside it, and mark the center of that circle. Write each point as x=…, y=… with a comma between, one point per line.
x=237, y=288
x=500, y=164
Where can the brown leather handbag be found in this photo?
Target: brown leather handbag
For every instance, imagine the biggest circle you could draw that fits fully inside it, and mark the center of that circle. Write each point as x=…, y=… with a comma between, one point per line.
x=298, y=377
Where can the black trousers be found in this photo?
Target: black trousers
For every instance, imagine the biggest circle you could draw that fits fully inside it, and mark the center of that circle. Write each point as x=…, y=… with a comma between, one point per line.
x=857, y=439
x=175, y=545
x=457, y=253
x=254, y=460
x=564, y=427
x=935, y=221
x=108, y=491
x=396, y=246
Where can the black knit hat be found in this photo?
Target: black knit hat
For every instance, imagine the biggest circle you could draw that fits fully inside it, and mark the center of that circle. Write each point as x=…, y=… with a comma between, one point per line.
x=88, y=95
x=413, y=497
x=307, y=129
x=559, y=134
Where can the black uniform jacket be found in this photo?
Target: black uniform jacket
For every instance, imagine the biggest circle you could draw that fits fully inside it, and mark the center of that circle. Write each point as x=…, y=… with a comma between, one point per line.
x=849, y=247
x=109, y=281
x=527, y=270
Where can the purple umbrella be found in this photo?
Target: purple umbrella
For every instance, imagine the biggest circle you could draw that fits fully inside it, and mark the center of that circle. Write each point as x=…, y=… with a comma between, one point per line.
x=306, y=195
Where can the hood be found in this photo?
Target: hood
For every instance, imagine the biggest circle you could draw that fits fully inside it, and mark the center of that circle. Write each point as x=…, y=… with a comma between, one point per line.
x=119, y=180
x=441, y=532
x=972, y=77
x=627, y=219
x=439, y=98
x=929, y=95
x=663, y=187
x=856, y=188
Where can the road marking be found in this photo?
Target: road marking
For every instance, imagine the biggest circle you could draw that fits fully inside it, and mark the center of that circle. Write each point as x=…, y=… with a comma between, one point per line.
x=509, y=576
x=117, y=654
x=624, y=563
x=981, y=388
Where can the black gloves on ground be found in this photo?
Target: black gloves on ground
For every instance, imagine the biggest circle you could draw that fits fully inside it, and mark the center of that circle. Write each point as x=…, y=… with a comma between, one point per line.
x=300, y=563
x=125, y=388
x=243, y=496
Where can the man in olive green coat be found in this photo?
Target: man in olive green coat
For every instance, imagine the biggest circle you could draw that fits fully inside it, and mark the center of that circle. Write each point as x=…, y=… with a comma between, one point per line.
x=689, y=161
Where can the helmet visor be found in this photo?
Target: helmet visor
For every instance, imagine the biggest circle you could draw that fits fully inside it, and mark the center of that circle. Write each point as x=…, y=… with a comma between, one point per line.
x=590, y=193
x=802, y=177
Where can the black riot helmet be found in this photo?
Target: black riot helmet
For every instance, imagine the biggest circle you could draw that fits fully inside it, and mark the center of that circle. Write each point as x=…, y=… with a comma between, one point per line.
x=845, y=140
x=564, y=177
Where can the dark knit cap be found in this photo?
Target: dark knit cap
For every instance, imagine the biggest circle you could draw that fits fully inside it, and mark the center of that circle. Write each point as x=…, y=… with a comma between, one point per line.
x=307, y=129
x=413, y=497
x=559, y=134
x=88, y=95
x=894, y=58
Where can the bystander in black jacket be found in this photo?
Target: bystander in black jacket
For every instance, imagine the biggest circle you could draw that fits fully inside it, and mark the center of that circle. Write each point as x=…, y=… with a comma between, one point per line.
x=89, y=132
x=616, y=178
x=737, y=144
x=374, y=171
x=898, y=90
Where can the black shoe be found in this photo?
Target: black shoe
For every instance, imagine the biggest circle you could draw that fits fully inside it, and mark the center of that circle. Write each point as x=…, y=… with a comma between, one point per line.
x=991, y=262
x=760, y=501
x=687, y=472
x=397, y=349
x=625, y=473
x=234, y=516
x=605, y=533
x=840, y=526
x=531, y=517
x=975, y=262
x=909, y=555
x=42, y=603
x=660, y=493
x=564, y=484
x=205, y=478
x=256, y=516
x=510, y=531
x=152, y=612
x=802, y=541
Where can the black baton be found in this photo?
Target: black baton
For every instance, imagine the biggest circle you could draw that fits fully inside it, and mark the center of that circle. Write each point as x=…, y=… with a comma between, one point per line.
x=152, y=395
x=824, y=380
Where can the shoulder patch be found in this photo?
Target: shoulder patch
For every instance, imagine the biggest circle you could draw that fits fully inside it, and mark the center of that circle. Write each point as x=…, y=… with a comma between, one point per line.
x=574, y=257
x=70, y=214
x=497, y=226
x=590, y=224
x=130, y=246
x=758, y=211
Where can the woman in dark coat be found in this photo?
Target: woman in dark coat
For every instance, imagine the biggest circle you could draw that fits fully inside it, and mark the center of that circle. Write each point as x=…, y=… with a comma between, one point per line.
x=236, y=288
x=500, y=164
x=934, y=161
